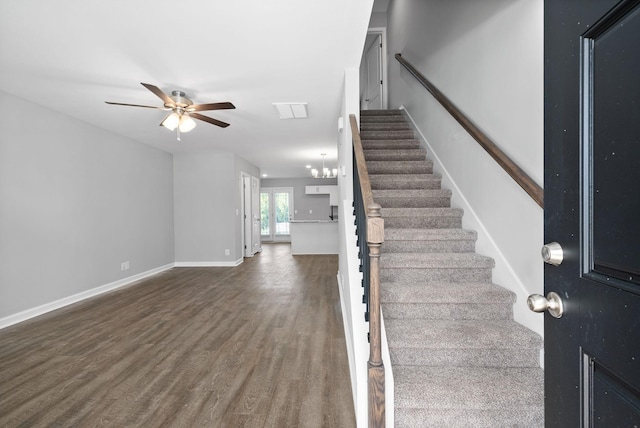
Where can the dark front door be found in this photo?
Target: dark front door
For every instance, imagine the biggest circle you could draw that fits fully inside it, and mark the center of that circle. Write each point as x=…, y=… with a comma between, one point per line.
x=592, y=209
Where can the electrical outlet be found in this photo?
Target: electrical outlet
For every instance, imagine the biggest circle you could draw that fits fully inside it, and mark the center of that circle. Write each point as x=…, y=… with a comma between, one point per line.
x=226, y=252
x=124, y=265
x=310, y=211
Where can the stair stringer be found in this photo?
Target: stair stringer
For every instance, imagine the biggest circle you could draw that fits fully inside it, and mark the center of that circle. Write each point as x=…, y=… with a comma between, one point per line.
x=503, y=272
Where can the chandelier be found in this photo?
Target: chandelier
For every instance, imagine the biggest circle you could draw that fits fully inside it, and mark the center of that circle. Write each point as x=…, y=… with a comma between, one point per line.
x=326, y=172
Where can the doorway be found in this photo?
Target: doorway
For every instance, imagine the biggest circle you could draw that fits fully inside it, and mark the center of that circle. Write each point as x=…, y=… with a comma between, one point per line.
x=250, y=215
x=373, y=90
x=276, y=209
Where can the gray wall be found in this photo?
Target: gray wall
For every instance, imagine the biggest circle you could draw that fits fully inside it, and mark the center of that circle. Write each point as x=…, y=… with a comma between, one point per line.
x=207, y=206
x=302, y=203
x=75, y=202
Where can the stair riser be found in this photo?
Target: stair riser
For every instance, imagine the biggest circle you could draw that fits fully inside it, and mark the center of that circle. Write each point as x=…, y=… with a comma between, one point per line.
x=447, y=311
x=365, y=120
x=423, y=222
x=414, y=202
x=428, y=246
x=435, y=274
x=465, y=357
x=401, y=167
x=393, y=113
x=385, y=126
x=386, y=135
x=395, y=155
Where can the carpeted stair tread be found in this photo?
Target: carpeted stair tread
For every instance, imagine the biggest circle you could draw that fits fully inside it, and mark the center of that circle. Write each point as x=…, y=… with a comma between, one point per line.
x=412, y=218
x=531, y=417
x=387, y=135
x=429, y=240
x=437, y=292
x=468, y=336
x=400, y=167
x=413, y=198
x=465, y=388
x=435, y=261
x=436, y=300
x=388, y=112
x=385, y=126
x=405, y=181
x=390, y=144
x=391, y=234
x=395, y=155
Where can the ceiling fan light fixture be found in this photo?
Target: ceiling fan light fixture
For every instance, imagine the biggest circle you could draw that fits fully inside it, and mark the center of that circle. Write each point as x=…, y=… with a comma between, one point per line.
x=186, y=123
x=171, y=122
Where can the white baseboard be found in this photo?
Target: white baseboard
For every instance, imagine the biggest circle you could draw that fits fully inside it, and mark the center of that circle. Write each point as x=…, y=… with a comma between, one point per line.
x=209, y=264
x=48, y=307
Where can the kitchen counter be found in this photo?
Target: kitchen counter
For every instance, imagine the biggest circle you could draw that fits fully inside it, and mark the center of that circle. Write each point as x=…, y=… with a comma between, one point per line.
x=314, y=236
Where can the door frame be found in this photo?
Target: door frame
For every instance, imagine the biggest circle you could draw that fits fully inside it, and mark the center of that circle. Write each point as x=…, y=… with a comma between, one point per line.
x=248, y=246
x=273, y=237
x=382, y=31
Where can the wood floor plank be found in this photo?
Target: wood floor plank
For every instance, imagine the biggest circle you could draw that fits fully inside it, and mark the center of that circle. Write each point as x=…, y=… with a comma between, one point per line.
x=258, y=345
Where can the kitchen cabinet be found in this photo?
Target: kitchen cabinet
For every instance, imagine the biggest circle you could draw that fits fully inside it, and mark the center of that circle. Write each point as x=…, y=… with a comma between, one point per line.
x=332, y=191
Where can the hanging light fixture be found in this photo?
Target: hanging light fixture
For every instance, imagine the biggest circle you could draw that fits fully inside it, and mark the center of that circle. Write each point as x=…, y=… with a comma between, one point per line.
x=326, y=172
x=179, y=119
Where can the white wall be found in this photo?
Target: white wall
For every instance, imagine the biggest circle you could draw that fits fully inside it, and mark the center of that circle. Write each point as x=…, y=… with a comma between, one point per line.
x=207, y=208
x=75, y=202
x=487, y=57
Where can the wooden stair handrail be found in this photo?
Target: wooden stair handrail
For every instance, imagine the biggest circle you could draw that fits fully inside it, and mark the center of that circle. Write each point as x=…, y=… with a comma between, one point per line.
x=375, y=237
x=531, y=187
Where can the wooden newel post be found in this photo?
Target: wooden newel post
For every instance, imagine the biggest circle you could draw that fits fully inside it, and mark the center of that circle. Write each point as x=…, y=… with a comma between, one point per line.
x=375, y=237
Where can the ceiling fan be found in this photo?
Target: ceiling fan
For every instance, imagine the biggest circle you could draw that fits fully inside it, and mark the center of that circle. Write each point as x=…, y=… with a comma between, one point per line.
x=183, y=110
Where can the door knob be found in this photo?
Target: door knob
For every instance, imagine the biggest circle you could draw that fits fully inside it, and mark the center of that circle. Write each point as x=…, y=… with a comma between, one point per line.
x=552, y=253
x=551, y=303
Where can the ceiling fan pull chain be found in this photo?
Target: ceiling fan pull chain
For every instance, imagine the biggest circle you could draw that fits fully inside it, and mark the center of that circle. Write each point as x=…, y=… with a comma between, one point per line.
x=178, y=133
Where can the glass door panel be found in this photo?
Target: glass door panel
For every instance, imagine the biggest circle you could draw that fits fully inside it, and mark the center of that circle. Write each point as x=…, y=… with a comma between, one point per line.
x=283, y=216
x=276, y=208
x=265, y=230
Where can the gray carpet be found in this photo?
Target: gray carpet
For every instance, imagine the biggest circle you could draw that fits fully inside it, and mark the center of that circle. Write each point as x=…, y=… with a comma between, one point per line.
x=459, y=359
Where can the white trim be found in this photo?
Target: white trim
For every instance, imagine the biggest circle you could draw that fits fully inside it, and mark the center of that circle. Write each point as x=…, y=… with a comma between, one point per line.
x=209, y=264
x=52, y=306
x=383, y=64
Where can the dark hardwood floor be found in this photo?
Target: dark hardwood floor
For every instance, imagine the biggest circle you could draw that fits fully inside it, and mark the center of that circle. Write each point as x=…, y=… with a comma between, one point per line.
x=258, y=345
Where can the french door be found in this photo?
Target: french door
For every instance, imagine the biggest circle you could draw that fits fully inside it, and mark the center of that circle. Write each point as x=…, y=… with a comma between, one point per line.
x=276, y=212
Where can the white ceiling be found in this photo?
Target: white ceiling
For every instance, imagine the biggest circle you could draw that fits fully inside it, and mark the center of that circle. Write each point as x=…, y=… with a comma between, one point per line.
x=72, y=55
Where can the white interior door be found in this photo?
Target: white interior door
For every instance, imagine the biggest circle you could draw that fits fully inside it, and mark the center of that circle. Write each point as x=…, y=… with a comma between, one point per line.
x=373, y=91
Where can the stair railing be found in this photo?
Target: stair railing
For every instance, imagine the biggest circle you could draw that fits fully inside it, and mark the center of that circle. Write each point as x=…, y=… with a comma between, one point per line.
x=370, y=231
x=511, y=168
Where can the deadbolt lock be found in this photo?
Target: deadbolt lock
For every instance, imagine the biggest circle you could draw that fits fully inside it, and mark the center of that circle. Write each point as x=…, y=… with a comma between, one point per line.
x=552, y=253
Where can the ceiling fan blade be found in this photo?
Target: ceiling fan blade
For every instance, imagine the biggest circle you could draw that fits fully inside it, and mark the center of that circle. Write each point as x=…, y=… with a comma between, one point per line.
x=211, y=106
x=209, y=119
x=137, y=105
x=164, y=97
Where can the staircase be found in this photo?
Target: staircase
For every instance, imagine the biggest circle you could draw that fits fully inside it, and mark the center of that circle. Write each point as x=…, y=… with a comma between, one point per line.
x=458, y=357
